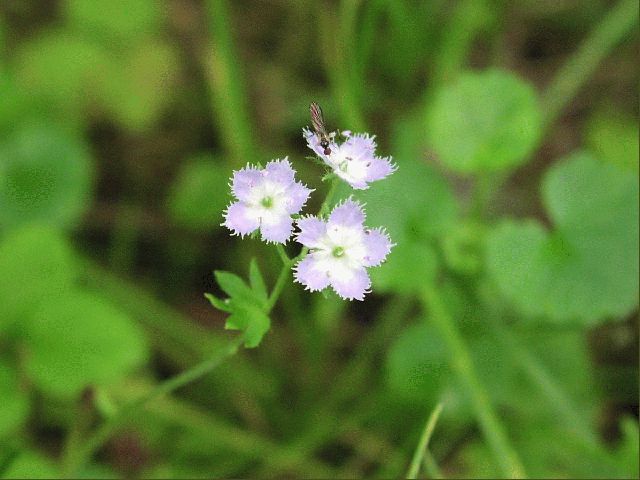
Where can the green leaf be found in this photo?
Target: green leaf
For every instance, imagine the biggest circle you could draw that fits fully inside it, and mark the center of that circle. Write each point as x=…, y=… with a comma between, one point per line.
x=613, y=137
x=628, y=450
x=257, y=282
x=417, y=367
x=252, y=320
x=79, y=340
x=409, y=266
x=64, y=70
x=45, y=175
x=140, y=85
x=246, y=304
x=36, y=263
x=235, y=287
x=31, y=465
x=415, y=205
x=16, y=103
x=199, y=194
x=487, y=121
x=415, y=201
x=219, y=303
x=14, y=401
x=124, y=21
x=586, y=268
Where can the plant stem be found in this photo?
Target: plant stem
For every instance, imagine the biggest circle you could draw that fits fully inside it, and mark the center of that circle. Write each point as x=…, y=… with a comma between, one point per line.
x=280, y=283
x=227, y=86
x=421, y=449
x=214, y=432
x=287, y=262
x=493, y=430
x=324, y=208
x=573, y=75
x=104, y=432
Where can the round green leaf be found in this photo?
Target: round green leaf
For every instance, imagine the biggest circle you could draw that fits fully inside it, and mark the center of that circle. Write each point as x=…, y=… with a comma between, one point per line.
x=63, y=69
x=417, y=366
x=45, y=176
x=79, y=340
x=586, y=268
x=36, y=262
x=199, y=194
x=15, y=404
x=486, y=121
x=140, y=86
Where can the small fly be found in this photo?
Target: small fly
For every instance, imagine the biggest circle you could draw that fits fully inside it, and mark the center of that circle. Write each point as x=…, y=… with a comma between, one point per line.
x=317, y=119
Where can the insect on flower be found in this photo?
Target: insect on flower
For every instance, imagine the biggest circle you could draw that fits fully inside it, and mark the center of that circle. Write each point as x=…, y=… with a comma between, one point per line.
x=317, y=119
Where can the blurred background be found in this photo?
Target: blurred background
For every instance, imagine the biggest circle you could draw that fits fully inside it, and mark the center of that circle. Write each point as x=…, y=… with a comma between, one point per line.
x=511, y=297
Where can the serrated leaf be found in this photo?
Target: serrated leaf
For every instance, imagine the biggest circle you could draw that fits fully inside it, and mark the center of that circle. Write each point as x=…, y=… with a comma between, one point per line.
x=78, y=340
x=245, y=304
x=487, y=121
x=235, y=287
x=586, y=268
x=218, y=303
x=257, y=282
x=252, y=320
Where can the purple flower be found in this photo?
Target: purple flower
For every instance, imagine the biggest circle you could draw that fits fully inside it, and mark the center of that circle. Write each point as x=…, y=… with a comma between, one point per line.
x=266, y=200
x=340, y=250
x=354, y=160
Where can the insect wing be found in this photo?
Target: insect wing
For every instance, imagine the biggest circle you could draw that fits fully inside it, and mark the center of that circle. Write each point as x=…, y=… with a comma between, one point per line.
x=317, y=119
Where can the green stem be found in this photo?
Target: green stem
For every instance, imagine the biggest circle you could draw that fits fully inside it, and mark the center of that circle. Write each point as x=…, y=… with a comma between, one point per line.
x=573, y=75
x=104, y=431
x=287, y=262
x=326, y=205
x=493, y=430
x=337, y=43
x=538, y=374
x=280, y=283
x=283, y=255
x=421, y=449
x=227, y=86
x=214, y=432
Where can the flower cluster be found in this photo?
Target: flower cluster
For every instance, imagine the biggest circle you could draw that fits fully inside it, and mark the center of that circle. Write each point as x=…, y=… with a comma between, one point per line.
x=354, y=160
x=338, y=249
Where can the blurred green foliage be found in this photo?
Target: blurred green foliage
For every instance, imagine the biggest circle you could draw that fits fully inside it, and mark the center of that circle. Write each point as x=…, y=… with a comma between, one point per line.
x=510, y=296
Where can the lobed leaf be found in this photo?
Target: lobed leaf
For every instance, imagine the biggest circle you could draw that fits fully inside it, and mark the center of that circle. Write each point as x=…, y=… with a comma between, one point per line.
x=586, y=268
